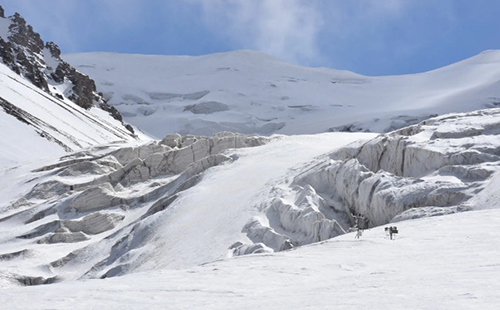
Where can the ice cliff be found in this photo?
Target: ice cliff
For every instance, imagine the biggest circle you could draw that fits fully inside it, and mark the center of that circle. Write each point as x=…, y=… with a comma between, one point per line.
x=432, y=168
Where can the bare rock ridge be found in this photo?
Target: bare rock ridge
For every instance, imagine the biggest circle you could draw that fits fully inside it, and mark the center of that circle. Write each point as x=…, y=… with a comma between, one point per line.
x=24, y=52
x=432, y=168
x=106, y=198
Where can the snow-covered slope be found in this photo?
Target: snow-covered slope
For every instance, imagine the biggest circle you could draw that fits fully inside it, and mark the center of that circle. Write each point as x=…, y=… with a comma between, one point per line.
x=34, y=125
x=448, y=262
x=46, y=106
x=250, y=92
x=185, y=201
x=245, y=219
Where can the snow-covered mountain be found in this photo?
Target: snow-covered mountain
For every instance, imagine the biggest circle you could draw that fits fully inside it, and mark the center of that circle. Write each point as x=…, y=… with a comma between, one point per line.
x=47, y=107
x=229, y=219
x=251, y=92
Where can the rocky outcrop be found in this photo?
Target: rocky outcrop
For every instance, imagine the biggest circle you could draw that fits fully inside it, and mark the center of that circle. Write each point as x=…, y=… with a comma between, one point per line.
x=23, y=51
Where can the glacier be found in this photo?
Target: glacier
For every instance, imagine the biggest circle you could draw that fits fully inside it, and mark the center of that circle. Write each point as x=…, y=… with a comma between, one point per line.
x=186, y=200
x=433, y=168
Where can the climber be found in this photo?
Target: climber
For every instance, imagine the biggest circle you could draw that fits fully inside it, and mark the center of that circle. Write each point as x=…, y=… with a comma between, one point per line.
x=359, y=223
x=391, y=230
x=359, y=233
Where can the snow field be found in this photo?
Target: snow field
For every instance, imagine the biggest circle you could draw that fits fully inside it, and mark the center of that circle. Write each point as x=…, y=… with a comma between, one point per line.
x=447, y=262
x=164, y=221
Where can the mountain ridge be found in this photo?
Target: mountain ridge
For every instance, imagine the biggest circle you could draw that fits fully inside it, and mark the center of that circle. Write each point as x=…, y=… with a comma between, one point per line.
x=47, y=107
x=24, y=52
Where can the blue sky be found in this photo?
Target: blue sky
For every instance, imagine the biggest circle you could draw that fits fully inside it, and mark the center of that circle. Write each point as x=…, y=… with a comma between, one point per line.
x=371, y=37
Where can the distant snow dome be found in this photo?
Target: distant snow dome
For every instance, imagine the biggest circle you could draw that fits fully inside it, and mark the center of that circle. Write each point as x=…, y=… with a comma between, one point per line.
x=253, y=93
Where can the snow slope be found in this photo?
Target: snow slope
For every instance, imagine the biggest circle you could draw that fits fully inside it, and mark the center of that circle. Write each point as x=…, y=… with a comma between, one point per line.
x=34, y=125
x=46, y=106
x=448, y=262
x=250, y=92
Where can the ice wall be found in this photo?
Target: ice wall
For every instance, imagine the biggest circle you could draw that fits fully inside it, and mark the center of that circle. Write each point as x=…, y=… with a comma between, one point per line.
x=427, y=169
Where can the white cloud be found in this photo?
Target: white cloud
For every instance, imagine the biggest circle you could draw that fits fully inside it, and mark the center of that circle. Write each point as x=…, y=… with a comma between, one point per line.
x=287, y=29
x=308, y=32
x=298, y=31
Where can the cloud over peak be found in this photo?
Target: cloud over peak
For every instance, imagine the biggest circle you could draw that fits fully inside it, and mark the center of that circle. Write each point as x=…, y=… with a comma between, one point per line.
x=287, y=29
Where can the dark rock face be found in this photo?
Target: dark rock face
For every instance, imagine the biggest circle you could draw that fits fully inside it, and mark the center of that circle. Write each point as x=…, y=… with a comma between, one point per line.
x=23, y=34
x=54, y=49
x=19, y=53
x=25, y=53
x=111, y=110
x=7, y=55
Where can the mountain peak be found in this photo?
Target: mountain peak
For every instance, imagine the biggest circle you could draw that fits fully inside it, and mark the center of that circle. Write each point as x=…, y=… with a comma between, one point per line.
x=24, y=52
x=23, y=34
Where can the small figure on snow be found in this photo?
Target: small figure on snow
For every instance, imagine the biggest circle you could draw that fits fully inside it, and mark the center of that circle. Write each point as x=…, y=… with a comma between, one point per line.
x=359, y=223
x=391, y=230
x=359, y=233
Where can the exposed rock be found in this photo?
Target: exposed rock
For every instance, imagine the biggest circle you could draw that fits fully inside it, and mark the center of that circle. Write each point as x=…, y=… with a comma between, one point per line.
x=114, y=113
x=25, y=53
x=53, y=49
x=129, y=128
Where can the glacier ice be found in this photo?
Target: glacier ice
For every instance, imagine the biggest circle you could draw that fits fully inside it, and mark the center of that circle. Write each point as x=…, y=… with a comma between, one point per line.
x=111, y=193
x=432, y=168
